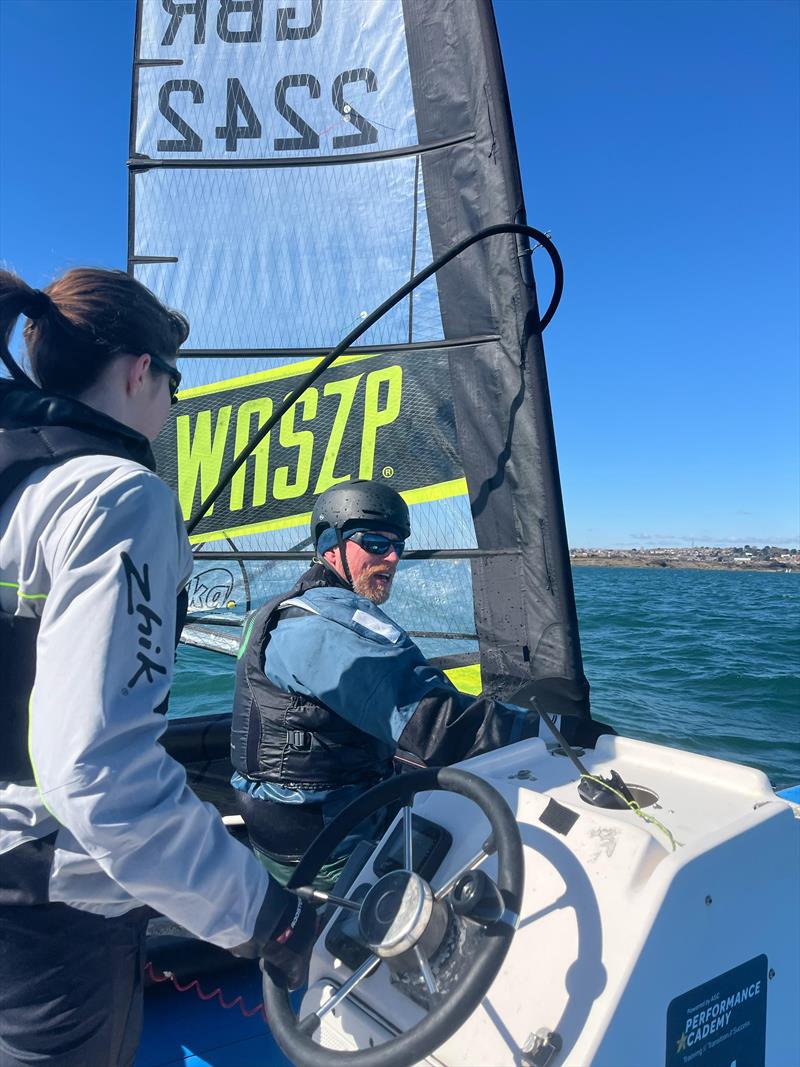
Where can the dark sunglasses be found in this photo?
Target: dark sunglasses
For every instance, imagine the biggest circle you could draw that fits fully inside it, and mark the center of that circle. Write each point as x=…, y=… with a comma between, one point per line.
x=376, y=544
x=173, y=373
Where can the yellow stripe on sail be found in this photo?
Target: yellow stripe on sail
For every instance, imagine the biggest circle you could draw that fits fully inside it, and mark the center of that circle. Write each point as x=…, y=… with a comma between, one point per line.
x=288, y=370
x=424, y=495
x=467, y=679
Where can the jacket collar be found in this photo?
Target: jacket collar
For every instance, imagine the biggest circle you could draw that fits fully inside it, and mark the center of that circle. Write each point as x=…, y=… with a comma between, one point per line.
x=23, y=406
x=317, y=575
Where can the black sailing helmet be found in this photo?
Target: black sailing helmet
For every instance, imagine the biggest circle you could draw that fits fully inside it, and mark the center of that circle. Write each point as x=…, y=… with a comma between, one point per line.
x=360, y=504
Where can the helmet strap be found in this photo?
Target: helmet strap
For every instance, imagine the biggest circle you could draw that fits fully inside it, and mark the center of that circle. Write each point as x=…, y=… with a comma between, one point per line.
x=342, y=546
x=343, y=557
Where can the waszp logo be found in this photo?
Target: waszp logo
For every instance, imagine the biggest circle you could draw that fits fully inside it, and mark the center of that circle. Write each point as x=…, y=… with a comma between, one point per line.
x=347, y=425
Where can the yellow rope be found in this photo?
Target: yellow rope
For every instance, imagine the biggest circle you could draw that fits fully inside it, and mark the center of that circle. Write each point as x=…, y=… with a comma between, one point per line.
x=20, y=594
x=636, y=809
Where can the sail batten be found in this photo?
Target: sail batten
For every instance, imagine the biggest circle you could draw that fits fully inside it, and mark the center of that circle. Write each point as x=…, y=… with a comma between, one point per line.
x=140, y=163
x=296, y=353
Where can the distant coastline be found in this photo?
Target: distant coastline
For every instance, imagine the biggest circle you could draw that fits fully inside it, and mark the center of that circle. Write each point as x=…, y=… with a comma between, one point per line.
x=747, y=558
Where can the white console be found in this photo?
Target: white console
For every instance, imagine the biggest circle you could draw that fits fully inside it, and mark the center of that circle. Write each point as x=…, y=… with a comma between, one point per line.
x=638, y=943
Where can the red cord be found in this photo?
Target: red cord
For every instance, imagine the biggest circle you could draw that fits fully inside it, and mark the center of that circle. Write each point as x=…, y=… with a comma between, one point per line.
x=216, y=993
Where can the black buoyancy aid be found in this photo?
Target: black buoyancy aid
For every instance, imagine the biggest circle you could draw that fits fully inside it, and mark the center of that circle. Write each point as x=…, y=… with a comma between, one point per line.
x=39, y=429
x=290, y=739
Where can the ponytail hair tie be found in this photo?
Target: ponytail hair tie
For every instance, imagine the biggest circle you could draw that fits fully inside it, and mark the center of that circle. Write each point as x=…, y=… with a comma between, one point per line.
x=38, y=305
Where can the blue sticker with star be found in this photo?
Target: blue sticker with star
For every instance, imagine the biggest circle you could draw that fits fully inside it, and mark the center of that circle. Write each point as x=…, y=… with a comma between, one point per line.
x=722, y=1022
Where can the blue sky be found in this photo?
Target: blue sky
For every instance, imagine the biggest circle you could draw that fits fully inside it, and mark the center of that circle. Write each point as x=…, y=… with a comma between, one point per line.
x=659, y=144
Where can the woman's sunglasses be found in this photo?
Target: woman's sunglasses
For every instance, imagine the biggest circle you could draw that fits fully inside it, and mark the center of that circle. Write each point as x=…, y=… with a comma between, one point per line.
x=172, y=372
x=376, y=544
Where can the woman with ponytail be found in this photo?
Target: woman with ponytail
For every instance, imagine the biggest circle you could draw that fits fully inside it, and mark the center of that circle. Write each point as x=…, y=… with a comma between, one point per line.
x=98, y=828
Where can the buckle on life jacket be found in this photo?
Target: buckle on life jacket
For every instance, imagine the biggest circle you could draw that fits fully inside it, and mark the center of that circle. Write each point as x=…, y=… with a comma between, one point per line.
x=299, y=739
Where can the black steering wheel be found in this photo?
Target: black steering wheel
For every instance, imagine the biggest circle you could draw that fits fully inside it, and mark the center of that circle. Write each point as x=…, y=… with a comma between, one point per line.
x=412, y=907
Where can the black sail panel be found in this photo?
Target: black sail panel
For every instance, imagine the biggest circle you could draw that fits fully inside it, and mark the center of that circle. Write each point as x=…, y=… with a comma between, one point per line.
x=524, y=601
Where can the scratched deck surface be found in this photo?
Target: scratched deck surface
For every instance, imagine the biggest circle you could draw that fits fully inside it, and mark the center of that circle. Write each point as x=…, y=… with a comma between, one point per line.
x=180, y=1028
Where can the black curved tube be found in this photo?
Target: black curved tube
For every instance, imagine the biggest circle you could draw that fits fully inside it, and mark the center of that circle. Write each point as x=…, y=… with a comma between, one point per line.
x=370, y=320
x=446, y=1018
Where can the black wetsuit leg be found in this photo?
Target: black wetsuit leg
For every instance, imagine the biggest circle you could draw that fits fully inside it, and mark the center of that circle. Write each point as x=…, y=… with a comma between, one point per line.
x=70, y=986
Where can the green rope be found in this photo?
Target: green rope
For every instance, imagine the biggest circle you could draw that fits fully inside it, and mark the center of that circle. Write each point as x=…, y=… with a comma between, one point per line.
x=636, y=809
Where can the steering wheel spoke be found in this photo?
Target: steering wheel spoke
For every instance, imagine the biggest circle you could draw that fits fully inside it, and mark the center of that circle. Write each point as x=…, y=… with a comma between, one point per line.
x=418, y=929
x=425, y=969
x=408, y=839
x=319, y=896
x=368, y=967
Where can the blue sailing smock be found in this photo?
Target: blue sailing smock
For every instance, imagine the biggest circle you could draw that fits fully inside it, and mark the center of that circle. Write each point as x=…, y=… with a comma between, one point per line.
x=347, y=653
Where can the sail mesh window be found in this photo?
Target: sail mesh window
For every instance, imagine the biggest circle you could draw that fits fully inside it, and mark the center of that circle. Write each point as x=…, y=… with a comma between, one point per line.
x=287, y=258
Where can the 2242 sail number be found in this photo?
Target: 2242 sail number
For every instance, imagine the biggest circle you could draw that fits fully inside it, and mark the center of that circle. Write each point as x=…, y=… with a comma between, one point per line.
x=239, y=106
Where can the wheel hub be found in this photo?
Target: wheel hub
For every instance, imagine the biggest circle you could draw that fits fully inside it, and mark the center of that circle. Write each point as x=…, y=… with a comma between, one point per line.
x=395, y=913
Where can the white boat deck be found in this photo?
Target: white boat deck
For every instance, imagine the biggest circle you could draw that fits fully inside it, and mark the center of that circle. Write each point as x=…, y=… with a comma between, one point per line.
x=616, y=925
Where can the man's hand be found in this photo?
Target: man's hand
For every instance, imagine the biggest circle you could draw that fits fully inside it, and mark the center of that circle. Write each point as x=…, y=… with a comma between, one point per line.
x=288, y=943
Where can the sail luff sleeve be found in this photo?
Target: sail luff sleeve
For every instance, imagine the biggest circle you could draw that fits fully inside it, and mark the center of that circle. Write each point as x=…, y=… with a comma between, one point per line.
x=524, y=600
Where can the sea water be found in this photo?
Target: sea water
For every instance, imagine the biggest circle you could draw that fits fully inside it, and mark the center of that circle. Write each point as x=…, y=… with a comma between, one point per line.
x=703, y=660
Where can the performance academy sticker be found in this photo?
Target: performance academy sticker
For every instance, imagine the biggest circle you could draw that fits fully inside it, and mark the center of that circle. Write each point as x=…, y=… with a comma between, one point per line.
x=722, y=1023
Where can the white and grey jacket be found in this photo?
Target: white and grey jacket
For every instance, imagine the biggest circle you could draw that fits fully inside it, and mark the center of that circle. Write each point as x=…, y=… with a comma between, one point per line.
x=96, y=548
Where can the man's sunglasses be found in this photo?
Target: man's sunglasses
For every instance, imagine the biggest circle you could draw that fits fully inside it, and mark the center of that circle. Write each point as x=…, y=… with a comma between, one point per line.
x=376, y=544
x=172, y=372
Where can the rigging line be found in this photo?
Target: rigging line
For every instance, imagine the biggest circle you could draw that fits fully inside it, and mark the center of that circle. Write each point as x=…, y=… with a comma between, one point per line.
x=410, y=554
x=370, y=320
x=245, y=578
x=635, y=807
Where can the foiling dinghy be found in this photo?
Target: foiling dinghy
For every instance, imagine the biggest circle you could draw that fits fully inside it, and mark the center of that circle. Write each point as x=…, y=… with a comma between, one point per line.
x=330, y=190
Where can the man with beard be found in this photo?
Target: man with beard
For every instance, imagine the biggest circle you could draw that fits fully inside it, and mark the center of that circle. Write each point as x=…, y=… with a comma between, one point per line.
x=329, y=687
